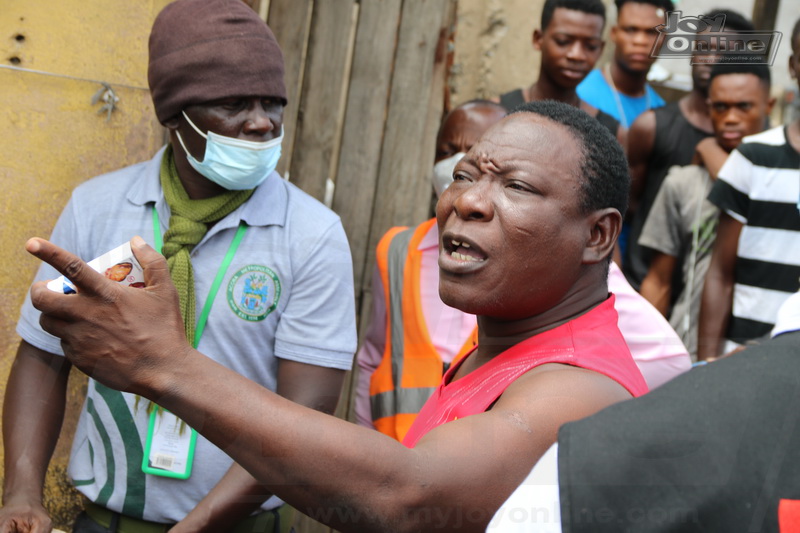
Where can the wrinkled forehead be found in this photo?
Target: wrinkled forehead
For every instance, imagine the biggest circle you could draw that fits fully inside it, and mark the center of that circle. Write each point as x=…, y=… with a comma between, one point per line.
x=529, y=140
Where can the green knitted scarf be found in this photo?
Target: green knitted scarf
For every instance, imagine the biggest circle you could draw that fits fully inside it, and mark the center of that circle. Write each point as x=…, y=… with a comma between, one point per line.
x=188, y=223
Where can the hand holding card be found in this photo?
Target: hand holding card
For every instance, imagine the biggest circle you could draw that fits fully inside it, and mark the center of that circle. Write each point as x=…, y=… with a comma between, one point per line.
x=118, y=265
x=98, y=325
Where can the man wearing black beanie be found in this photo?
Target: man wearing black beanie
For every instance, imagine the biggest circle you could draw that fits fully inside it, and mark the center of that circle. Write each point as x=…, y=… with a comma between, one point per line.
x=213, y=204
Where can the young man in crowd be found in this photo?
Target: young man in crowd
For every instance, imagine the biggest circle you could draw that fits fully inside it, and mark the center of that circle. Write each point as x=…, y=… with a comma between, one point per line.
x=621, y=88
x=548, y=351
x=755, y=264
x=662, y=138
x=570, y=40
x=283, y=315
x=681, y=227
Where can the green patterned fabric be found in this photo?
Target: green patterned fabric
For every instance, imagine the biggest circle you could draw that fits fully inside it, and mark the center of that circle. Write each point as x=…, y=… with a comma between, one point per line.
x=188, y=223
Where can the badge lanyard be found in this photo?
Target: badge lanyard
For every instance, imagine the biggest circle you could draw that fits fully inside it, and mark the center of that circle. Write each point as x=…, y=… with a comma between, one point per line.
x=169, y=450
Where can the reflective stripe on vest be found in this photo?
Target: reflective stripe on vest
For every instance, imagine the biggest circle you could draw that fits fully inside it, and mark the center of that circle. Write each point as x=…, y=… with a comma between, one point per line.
x=411, y=368
x=398, y=253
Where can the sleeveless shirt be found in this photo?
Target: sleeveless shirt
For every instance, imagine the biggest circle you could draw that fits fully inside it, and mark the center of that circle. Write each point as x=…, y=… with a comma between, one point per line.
x=592, y=341
x=674, y=144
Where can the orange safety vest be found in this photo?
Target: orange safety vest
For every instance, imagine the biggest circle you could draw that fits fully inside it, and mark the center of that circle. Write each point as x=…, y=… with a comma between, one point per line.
x=411, y=368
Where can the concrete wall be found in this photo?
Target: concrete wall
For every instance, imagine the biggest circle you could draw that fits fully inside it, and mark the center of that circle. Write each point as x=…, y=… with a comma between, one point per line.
x=54, y=138
x=493, y=51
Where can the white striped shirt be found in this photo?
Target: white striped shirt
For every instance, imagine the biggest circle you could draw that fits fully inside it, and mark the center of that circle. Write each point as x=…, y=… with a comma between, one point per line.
x=759, y=185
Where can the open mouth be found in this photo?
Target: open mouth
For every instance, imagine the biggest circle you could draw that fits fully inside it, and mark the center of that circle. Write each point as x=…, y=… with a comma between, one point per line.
x=461, y=249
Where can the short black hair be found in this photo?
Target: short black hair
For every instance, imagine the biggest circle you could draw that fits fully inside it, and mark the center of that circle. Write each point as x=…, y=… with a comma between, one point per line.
x=733, y=20
x=605, y=181
x=592, y=7
x=795, y=34
x=722, y=68
x=666, y=5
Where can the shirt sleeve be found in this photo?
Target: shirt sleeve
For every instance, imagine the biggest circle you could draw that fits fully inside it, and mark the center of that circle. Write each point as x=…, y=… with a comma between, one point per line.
x=66, y=235
x=369, y=355
x=662, y=229
x=731, y=191
x=318, y=326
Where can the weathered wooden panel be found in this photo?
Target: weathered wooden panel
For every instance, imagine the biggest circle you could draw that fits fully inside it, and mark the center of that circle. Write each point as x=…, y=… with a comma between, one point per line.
x=320, y=116
x=438, y=98
x=321, y=102
x=290, y=21
x=407, y=155
x=364, y=123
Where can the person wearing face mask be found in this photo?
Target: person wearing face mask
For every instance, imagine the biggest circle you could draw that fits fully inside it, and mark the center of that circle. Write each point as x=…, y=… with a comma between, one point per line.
x=410, y=327
x=264, y=279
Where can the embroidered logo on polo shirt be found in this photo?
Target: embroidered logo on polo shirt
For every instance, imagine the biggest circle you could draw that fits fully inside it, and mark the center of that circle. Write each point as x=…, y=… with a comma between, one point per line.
x=253, y=292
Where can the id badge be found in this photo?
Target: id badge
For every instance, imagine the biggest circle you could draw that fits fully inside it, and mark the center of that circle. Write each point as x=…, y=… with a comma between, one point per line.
x=168, y=451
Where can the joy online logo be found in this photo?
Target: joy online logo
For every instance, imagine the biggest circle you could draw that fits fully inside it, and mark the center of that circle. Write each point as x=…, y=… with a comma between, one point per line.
x=705, y=40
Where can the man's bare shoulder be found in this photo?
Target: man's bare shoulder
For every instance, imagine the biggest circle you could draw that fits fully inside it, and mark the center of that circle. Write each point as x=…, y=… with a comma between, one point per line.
x=578, y=392
x=644, y=123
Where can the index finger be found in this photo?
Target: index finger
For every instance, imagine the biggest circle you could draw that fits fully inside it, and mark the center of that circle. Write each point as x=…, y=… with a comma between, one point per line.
x=71, y=266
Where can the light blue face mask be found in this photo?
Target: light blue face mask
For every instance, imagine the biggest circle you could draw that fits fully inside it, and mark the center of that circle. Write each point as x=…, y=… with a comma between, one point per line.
x=235, y=164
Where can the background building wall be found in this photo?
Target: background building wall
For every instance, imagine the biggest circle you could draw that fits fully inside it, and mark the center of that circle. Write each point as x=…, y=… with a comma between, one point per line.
x=54, y=138
x=493, y=50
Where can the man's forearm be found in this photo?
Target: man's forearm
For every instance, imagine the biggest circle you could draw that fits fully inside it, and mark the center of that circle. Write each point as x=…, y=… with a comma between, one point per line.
x=715, y=310
x=234, y=498
x=657, y=293
x=259, y=430
x=33, y=413
x=717, y=300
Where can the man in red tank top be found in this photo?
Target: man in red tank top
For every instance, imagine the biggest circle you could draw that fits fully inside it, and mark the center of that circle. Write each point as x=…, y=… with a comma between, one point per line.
x=527, y=229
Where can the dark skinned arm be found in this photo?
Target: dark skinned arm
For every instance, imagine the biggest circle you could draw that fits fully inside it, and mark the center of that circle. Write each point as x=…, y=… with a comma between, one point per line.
x=33, y=413
x=352, y=478
x=710, y=154
x=238, y=494
x=622, y=137
x=717, y=300
x=657, y=284
x=641, y=139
